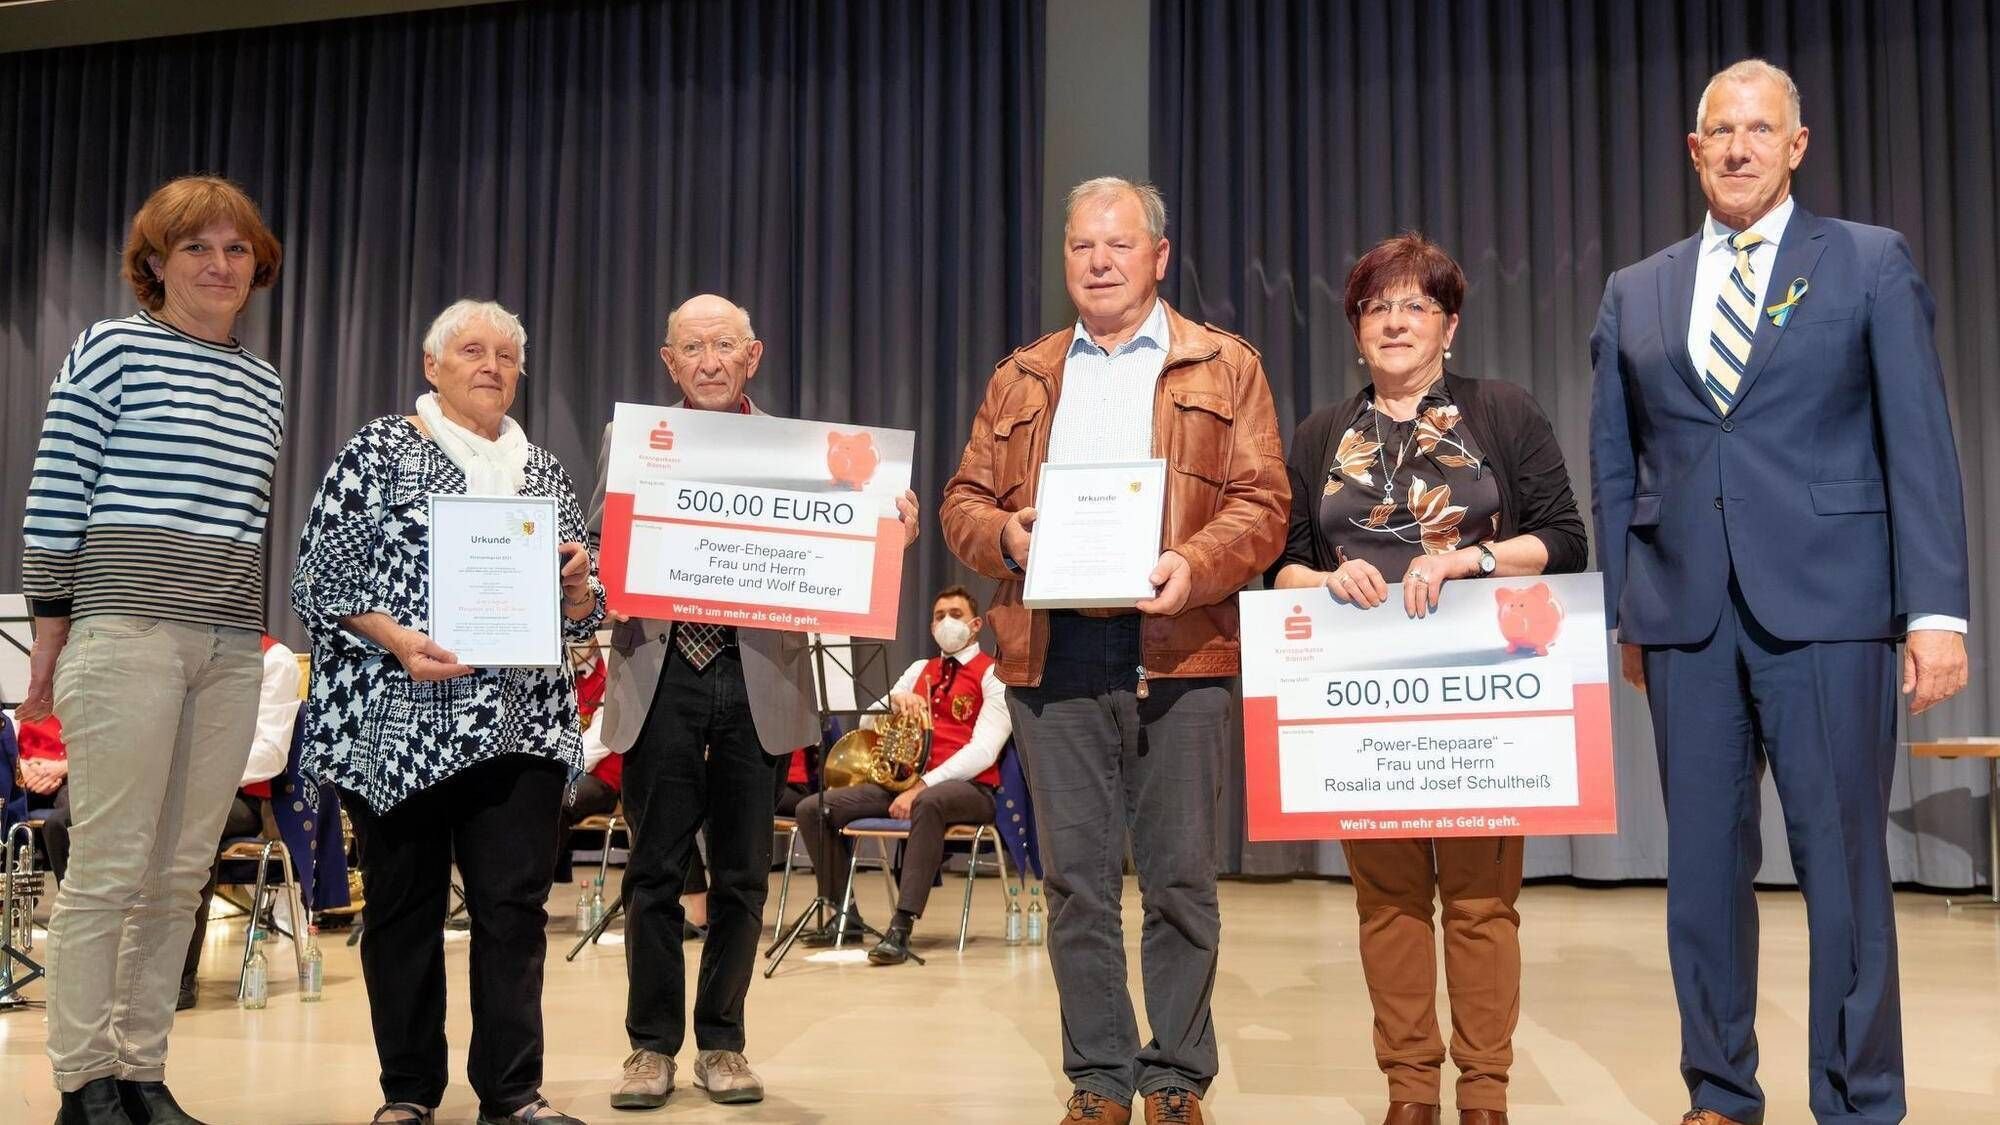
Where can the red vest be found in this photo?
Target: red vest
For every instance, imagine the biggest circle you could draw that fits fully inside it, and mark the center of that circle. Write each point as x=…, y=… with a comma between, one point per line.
x=955, y=708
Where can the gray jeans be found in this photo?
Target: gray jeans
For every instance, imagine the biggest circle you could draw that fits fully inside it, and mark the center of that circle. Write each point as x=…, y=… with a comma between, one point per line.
x=158, y=718
x=1103, y=763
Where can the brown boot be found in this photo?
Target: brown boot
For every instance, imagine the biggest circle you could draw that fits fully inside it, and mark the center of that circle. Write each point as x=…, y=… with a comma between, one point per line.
x=1706, y=1117
x=1173, y=1106
x=1482, y=1117
x=1412, y=1113
x=1097, y=1109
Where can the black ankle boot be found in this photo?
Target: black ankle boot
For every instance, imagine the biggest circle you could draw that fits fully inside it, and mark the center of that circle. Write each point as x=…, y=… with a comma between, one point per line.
x=96, y=1104
x=894, y=948
x=149, y=1103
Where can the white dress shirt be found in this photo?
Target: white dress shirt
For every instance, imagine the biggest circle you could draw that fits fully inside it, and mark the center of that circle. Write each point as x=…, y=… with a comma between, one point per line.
x=277, y=711
x=990, y=730
x=1106, y=409
x=1711, y=272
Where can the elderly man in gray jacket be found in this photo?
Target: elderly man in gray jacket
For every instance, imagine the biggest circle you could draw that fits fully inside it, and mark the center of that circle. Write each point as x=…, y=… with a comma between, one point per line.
x=702, y=714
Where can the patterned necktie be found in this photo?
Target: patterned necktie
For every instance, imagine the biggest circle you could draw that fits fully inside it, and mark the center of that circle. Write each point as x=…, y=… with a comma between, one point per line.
x=1734, y=325
x=698, y=642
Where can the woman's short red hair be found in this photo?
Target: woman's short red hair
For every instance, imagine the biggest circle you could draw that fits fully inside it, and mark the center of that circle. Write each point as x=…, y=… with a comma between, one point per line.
x=1407, y=258
x=190, y=205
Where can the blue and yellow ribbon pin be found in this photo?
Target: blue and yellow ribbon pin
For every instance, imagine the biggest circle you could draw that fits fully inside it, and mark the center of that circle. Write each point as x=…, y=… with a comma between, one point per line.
x=1782, y=311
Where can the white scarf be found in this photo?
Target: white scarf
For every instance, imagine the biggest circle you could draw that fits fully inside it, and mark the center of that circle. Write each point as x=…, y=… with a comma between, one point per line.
x=492, y=468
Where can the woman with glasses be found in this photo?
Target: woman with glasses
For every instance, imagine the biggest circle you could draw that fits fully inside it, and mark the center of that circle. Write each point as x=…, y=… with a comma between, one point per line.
x=1423, y=477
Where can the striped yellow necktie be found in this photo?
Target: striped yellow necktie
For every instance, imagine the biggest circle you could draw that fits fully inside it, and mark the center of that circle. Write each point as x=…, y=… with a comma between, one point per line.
x=1734, y=325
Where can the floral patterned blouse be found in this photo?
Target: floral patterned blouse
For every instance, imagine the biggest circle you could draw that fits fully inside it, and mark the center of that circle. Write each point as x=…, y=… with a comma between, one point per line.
x=1398, y=490
x=369, y=728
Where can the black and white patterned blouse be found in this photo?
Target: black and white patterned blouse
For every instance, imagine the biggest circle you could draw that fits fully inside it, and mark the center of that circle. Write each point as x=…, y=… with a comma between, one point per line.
x=369, y=727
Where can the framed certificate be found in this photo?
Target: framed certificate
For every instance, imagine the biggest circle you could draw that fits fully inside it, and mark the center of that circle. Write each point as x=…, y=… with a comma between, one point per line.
x=1490, y=717
x=496, y=586
x=754, y=521
x=1097, y=534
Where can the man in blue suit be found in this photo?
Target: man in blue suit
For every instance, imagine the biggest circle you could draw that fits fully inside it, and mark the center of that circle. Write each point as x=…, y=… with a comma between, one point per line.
x=1778, y=505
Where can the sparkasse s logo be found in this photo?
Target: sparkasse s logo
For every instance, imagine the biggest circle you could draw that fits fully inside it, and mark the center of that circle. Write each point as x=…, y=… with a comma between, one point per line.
x=662, y=437
x=1298, y=626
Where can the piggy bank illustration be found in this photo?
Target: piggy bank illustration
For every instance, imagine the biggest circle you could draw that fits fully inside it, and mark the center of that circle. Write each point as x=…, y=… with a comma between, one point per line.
x=1530, y=618
x=851, y=459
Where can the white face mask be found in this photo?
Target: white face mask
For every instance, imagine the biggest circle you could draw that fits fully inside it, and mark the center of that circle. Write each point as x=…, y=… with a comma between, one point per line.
x=951, y=634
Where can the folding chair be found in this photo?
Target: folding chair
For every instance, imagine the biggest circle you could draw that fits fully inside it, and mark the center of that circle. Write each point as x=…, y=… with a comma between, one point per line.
x=885, y=831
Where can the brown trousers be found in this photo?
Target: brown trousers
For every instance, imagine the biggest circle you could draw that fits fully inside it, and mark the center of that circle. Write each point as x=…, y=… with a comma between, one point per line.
x=1479, y=879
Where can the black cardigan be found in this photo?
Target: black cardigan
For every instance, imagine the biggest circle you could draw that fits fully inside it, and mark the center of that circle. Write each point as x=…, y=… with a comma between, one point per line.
x=1519, y=445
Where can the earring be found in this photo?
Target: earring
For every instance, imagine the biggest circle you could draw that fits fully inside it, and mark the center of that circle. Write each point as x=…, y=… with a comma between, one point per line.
x=1360, y=361
x=1447, y=353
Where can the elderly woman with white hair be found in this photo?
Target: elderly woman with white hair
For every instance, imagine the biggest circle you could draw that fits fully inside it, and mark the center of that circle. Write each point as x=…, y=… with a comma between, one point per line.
x=436, y=760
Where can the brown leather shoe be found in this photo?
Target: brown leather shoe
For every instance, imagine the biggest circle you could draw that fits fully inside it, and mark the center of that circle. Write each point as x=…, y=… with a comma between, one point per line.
x=1482, y=1117
x=1706, y=1117
x=1173, y=1106
x=1413, y=1113
x=1096, y=1109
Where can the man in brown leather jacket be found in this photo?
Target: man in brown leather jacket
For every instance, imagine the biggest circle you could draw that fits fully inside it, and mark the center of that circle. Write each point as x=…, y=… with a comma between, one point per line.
x=1122, y=717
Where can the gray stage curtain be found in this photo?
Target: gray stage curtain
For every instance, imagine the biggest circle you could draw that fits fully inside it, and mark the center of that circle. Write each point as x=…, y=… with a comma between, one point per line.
x=863, y=175
x=1542, y=143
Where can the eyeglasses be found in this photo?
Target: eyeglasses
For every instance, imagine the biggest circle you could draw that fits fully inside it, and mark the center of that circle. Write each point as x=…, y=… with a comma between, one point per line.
x=725, y=348
x=1374, y=308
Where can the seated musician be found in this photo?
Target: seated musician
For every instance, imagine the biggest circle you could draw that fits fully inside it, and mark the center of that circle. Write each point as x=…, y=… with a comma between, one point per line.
x=968, y=713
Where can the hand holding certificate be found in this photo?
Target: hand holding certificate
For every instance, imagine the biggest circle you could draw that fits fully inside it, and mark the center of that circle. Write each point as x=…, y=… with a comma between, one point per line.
x=1490, y=716
x=495, y=580
x=1097, y=534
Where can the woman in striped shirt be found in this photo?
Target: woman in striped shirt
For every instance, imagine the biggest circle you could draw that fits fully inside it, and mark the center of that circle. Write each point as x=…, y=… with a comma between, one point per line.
x=144, y=570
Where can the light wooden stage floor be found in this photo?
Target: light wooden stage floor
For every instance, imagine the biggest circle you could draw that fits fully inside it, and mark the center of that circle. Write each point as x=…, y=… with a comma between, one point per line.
x=973, y=1037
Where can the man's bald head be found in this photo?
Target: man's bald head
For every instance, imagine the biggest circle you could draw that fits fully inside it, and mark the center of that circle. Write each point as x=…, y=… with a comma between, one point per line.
x=711, y=306
x=711, y=351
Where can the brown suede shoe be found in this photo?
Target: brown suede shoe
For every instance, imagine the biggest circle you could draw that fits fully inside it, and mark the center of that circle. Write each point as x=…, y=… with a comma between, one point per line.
x=1097, y=1109
x=1706, y=1117
x=1413, y=1113
x=1173, y=1106
x=1482, y=1117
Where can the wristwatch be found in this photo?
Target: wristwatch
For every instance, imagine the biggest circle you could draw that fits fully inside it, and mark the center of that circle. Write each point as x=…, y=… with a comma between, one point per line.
x=1487, y=563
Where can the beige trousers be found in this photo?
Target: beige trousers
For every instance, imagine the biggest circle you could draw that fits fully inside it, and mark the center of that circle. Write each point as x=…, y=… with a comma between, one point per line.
x=158, y=718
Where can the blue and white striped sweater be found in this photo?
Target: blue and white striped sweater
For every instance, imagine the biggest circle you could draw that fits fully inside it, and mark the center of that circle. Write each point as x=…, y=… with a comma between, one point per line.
x=152, y=484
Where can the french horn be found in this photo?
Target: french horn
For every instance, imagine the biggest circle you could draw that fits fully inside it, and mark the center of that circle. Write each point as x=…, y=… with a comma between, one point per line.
x=892, y=755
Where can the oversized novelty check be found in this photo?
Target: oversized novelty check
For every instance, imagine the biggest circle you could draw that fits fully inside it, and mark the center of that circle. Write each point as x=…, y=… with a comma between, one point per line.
x=1491, y=716
x=750, y=520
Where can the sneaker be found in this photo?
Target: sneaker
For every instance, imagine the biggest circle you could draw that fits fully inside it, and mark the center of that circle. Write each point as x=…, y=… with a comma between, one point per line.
x=539, y=1111
x=645, y=1081
x=727, y=1077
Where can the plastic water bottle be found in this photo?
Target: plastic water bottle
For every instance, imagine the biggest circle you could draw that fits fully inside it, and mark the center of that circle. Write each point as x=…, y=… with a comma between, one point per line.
x=583, y=909
x=1016, y=924
x=1037, y=917
x=257, y=978
x=597, y=901
x=312, y=968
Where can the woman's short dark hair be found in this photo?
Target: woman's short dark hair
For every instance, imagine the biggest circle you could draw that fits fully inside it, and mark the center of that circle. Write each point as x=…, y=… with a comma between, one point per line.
x=190, y=205
x=1407, y=258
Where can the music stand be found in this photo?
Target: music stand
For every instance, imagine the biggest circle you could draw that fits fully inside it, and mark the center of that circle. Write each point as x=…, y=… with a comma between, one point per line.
x=858, y=661
x=17, y=640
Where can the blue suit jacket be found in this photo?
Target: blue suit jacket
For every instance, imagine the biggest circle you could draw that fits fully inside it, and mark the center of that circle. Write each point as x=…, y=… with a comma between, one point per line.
x=1831, y=490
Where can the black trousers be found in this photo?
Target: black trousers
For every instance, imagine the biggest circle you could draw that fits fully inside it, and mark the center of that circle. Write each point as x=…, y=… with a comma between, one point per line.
x=587, y=796
x=697, y=765
x=243, y=821
x=55, y=827
x=498, y=820
x=823, y=815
